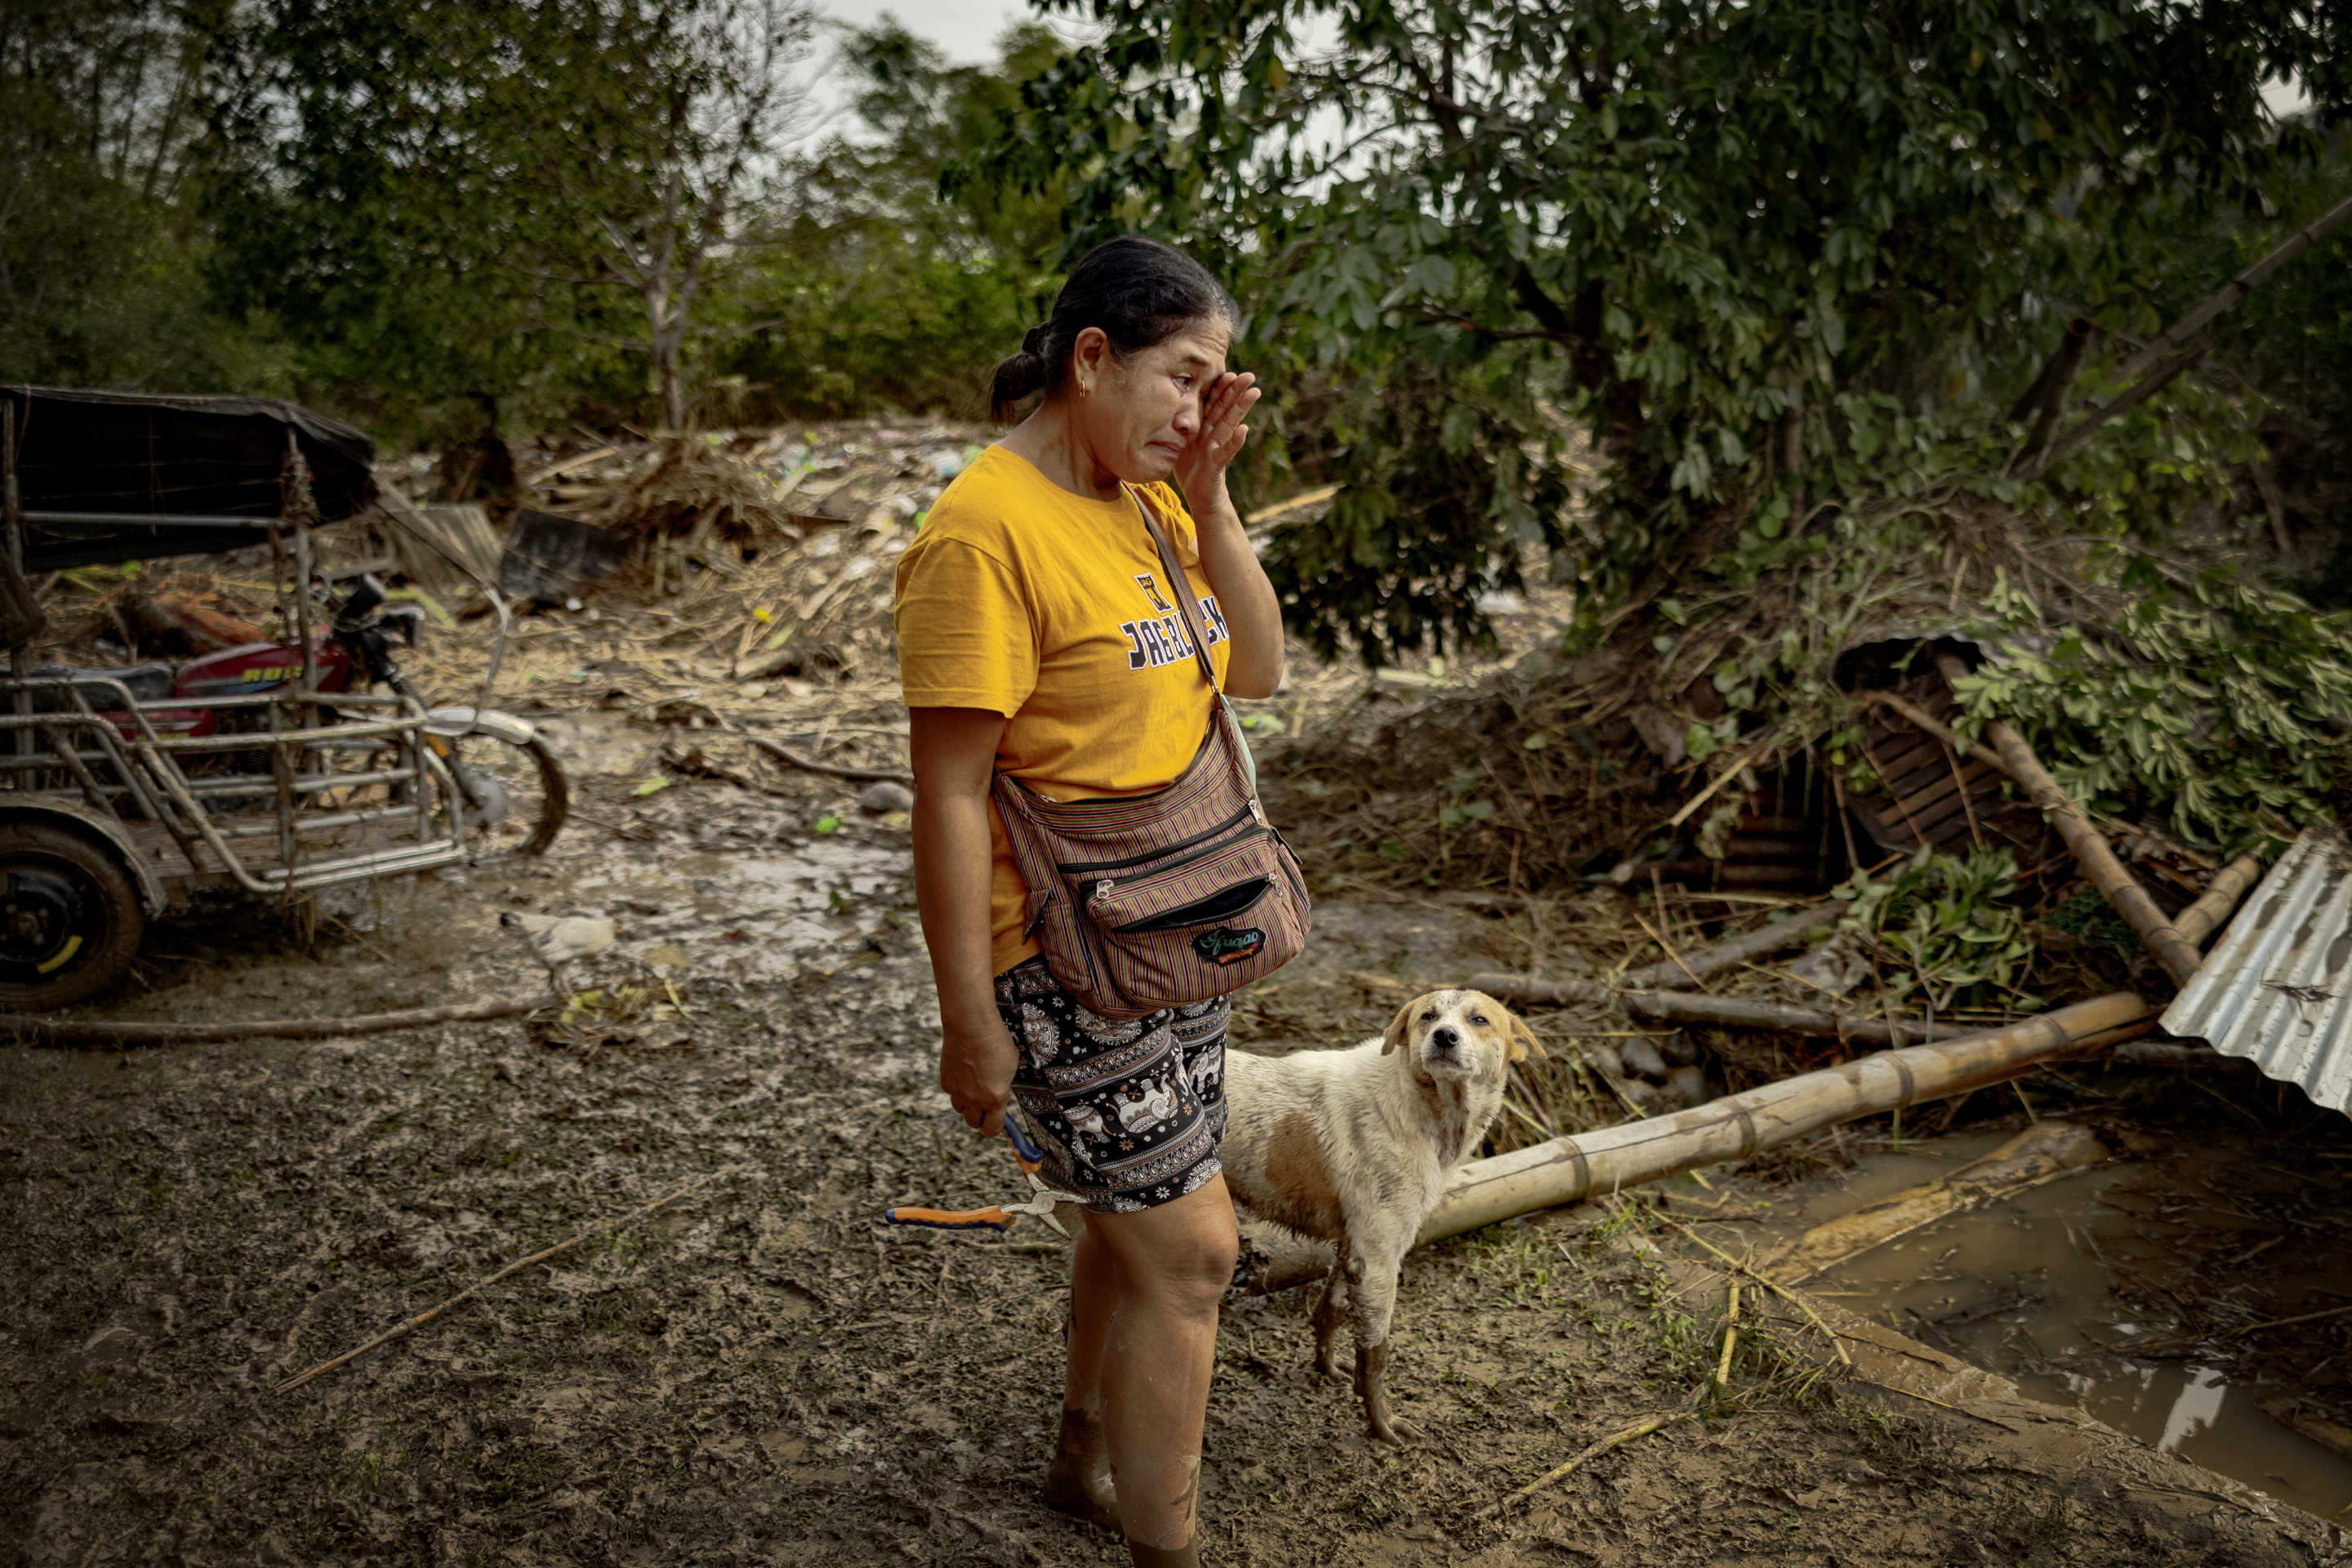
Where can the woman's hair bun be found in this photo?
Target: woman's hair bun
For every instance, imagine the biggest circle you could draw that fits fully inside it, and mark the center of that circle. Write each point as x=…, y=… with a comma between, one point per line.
x=1139, y=291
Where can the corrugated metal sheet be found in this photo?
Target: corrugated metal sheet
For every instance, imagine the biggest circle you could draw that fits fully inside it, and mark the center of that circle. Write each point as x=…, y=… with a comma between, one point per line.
x=2274, y=989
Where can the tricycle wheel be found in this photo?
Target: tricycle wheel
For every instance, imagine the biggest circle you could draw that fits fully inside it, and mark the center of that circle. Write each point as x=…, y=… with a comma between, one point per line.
x=69, y=918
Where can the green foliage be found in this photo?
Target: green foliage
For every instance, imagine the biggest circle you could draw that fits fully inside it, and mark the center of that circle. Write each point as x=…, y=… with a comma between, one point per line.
x=1944, y=923
x=2220, y=702
x=1755, y=248
x=1797, y=269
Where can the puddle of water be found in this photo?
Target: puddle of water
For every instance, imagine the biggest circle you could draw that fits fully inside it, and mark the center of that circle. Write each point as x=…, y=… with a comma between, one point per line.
x=2019, y=1285
x=760, y=917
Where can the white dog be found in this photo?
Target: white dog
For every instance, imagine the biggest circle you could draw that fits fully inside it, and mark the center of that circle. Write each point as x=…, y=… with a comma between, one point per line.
x=1354, y=1147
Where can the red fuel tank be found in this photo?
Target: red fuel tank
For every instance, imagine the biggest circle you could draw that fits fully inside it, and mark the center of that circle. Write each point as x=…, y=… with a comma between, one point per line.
x=258, y=666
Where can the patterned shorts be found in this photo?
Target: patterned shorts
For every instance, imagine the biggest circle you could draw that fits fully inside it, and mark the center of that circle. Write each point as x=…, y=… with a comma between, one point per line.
x=1128, y=1112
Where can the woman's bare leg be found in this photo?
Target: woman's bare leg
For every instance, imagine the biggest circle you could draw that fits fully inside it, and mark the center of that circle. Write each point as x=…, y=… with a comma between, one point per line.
x=1172, y=1264
x=1078, y=1481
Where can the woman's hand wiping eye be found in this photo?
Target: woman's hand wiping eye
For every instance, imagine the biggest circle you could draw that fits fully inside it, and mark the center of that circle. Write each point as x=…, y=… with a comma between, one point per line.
x=1223, y=406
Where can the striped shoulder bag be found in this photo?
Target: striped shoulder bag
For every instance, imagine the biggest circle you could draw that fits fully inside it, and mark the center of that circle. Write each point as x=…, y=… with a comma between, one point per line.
x=1145, y=901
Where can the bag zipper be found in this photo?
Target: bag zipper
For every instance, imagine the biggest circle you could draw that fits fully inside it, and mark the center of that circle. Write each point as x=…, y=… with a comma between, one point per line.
x=1086, y=868
x=1108, y=885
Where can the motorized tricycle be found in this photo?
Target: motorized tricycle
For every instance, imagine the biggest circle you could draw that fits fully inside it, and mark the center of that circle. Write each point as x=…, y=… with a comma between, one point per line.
x=273, y=768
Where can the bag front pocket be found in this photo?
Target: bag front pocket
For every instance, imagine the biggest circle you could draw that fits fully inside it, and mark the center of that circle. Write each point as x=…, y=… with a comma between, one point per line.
x=1199, y=926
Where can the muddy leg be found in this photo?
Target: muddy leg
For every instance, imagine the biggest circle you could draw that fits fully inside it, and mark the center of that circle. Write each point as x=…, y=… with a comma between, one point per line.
x=1078, y=1480
x=1174, y=1262
x=1373, y=1302
x=1329, y=1307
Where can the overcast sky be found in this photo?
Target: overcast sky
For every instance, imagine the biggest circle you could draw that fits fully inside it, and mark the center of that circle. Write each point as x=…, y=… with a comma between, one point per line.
x=966, y=30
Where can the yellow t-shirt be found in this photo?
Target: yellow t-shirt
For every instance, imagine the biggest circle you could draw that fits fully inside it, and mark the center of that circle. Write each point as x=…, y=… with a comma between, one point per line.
x=1053, y=609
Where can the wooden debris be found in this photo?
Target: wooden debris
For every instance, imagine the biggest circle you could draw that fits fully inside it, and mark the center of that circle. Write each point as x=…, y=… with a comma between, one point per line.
x=2328, y=1434
x=1280, y=511
x=809, y=764
x=2090, y=849
x=1586, y=1164
x=2042, y=1153
x=1769, y=1284
x=1732, y=1012
x=69, y=1032
x=1672, y=974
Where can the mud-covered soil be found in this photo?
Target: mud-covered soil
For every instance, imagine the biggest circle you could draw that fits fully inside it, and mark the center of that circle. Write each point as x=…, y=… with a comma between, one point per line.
x=762, y=1372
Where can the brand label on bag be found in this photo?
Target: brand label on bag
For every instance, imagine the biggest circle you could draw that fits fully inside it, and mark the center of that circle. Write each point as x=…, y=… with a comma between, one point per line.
x=1228, y=945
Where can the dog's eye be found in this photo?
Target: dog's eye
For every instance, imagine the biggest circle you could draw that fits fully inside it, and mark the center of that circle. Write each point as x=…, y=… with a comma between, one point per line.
x=1480, y=1019
x=1430, y=1016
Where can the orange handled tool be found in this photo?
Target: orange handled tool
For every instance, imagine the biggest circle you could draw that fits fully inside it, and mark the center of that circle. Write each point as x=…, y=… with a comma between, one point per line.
x=999, y=1216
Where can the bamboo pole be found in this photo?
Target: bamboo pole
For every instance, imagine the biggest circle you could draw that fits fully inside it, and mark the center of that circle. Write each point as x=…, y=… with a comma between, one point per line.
x=2211, y=910
x=2090, y=848
x=2171, y=339
x=2042, y=1153
x=1669, y=974
x=1733, y=1012
x=1570, y=1170
x=2194, y=923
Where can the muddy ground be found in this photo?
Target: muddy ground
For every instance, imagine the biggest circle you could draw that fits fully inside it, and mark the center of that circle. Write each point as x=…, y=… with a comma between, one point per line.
x=762, y=1372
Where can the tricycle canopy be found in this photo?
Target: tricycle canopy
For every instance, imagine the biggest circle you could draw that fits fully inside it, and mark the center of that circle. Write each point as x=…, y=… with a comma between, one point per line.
x=109, y=476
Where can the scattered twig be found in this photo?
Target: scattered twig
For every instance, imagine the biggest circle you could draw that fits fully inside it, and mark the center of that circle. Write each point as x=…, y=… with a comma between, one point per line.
x=1617, y=1440
x=1775, y=937
x=411, y=1324
x=1772, y=1285
x=1731, y=1334
x=809, y=764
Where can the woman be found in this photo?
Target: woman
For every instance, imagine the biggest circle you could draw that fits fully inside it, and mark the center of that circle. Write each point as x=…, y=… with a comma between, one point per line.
x=1035, y=636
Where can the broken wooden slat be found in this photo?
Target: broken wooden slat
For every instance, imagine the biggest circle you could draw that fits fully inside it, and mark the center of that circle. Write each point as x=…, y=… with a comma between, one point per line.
x=2042, y=1153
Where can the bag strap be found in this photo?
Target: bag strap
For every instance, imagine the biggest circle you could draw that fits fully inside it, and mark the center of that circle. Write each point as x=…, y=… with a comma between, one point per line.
x=1181, y=587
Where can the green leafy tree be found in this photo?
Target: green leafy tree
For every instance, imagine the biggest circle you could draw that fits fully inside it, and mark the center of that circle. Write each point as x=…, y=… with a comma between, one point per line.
x=877, y=293
x=101, y=249
x=1798, y=269
x=477, y=201
x=1743, y=240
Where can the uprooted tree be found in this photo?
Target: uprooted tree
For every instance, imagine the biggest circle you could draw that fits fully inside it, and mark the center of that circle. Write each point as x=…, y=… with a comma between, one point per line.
x=1818, y=277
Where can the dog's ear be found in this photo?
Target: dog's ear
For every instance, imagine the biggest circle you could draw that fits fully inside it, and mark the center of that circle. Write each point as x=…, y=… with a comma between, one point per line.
x=1394, y=1039
x=1524, y=1043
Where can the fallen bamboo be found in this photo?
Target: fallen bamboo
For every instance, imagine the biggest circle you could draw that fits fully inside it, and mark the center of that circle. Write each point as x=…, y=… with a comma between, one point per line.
x=1586, y=1164
x=2211, y=910
x=409, y=1325
x=1617, y=1440
x=1670, y=974
x=2194, y=923
x=63, y=1032
x=2042, y=1153
x=2090, y=848
x=1732, y=1012
x=1731, y=1334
